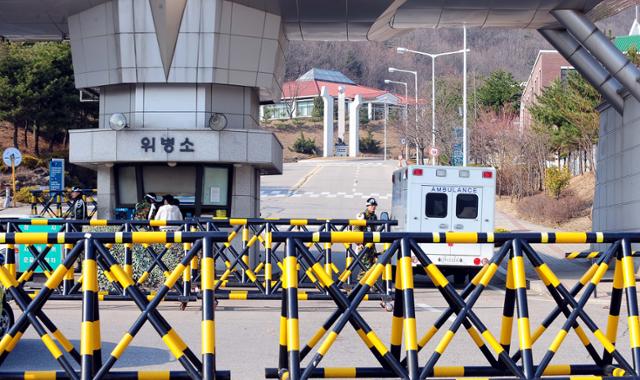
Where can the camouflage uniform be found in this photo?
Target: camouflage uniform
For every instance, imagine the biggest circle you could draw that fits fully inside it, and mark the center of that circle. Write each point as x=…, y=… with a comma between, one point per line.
x=371, y=256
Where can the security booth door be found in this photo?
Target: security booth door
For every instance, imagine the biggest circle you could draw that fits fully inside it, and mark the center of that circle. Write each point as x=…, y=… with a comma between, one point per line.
x=466, y=216
x=436, y=216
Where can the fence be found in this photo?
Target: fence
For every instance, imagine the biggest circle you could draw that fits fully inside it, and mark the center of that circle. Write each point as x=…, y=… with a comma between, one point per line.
x=91, y=250
x=232, y=256
x=501, y=362
x=53, y=203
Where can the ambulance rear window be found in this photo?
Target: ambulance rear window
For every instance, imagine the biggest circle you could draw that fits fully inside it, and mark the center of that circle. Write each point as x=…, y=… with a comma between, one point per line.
x=436, y=205
x=466, y=206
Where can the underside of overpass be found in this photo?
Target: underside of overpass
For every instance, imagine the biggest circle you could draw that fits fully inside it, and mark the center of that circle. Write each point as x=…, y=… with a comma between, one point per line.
x=174, y=66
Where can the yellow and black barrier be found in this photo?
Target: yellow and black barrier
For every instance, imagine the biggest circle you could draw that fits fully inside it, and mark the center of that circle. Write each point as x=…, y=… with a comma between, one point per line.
x=90, y=248
x=57, y=204
x=259, y=280
x=400, y=358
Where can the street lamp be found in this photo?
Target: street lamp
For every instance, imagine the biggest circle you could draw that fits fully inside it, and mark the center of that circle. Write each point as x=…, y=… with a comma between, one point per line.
x=406, y=111
x=415, y=75
x=402, y=50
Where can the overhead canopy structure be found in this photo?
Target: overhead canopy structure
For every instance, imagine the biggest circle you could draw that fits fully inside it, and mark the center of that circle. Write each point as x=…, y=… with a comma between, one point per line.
x=351, y=20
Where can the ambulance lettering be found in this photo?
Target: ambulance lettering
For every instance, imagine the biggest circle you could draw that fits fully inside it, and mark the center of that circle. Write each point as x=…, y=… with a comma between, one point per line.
x=454, y=189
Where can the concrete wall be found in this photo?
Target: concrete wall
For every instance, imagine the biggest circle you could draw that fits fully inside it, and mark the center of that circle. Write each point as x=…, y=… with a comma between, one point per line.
x=617, y=199
x=179, y=105
x=218, y=42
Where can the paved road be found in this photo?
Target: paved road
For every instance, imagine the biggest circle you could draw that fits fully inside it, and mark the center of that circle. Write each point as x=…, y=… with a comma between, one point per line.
x=327, y=188
x=247, y=334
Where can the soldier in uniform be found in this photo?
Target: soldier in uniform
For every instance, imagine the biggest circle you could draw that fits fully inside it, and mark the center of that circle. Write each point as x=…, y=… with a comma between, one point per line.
x=369, y=257
x=78, y=208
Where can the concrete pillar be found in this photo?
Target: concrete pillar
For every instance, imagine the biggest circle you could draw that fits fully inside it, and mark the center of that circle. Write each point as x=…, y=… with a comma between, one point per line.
x=370, y=111
x=354, y=126
x=327, y=136
x=341, y=113
x=106, y=196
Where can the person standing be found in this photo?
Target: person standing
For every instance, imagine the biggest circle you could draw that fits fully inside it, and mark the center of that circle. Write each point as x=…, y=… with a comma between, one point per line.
x=371, y=255
x=168, y=211
x=77, y=207
x=147, y=208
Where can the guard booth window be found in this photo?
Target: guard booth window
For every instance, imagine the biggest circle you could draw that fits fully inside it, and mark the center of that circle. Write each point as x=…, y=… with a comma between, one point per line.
x=467, y=206
x=436, y=205
x=201, y=189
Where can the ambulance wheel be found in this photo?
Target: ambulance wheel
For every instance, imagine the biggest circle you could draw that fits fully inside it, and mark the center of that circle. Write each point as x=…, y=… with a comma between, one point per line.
x=459, y=278
x=6, y=318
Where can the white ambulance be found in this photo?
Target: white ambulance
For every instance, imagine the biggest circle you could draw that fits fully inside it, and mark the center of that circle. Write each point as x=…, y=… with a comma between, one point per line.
x=445, y=199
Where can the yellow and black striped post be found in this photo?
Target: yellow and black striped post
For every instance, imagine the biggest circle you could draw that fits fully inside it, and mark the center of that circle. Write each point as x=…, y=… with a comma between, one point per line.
x=208, y=306
x=629, y=280
x=69, y=279
x=508, y=309
x=291, y=288
x=268, y=252
x=408, y=310
x=128, y=256
x=524, y=329
x=395, y=341
x=614, y=309
x=90, y=323
x=10, y=260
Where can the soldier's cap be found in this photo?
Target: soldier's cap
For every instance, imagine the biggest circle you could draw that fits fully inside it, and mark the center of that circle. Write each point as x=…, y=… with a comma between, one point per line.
x=76, y=190
x=372, y=202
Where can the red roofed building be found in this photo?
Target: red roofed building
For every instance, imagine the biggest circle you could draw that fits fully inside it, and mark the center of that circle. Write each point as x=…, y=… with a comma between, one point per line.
x=297, y=96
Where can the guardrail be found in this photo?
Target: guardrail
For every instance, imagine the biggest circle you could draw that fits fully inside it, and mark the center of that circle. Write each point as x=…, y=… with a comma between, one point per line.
x=52, y=203
x=243, y=235
x=91, y=249
x=501, y=362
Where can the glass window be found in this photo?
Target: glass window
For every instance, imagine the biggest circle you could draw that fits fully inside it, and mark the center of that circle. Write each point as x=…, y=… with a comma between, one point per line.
x=178, y=181
x=215, y=186
x=127, y=185
x=436, y=205
x=466, y=206
x=304, y=108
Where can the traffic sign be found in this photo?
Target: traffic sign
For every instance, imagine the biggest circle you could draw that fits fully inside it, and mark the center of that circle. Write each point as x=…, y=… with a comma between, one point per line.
x=434, y=151
x=10, y=153
x=56, y=175
x=25, y=258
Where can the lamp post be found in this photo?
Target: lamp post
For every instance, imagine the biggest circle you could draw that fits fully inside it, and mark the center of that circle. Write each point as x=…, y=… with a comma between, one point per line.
x=415, y=75
x=406, y=111
x=402, y=50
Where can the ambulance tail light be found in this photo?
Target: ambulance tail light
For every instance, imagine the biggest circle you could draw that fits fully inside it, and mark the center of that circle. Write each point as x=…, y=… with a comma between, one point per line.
x=417, y=172
x=476, y=261
x=487, y=174
x=463, y=173
x=441, y=173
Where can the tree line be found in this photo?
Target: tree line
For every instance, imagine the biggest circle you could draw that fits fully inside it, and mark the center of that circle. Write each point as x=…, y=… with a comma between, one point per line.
x=38, y=96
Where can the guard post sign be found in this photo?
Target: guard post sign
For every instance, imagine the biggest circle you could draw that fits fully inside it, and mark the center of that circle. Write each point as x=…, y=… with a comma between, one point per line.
x=56, y=175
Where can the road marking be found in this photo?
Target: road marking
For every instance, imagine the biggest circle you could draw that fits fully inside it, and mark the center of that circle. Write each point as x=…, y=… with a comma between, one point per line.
x=433, y=309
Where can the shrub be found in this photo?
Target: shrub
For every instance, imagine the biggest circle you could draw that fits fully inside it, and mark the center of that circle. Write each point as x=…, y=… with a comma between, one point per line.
x=318, y=107
x=24, y=194
x=304, y=145
x=544, y=209
x=556, y=180
x=368, y=144
x=32, y=162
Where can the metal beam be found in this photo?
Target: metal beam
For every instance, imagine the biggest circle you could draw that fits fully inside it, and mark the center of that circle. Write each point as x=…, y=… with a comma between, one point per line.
x=586, y=65
x=589, y=36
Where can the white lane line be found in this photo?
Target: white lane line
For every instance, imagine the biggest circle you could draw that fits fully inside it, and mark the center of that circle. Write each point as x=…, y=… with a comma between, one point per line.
x=432, y=309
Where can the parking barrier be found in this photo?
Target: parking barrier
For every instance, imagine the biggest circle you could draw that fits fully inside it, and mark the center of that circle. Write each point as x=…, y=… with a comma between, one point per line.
x=400, y=358
x=52, y=203
x=90, y=247
x=257, y=280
